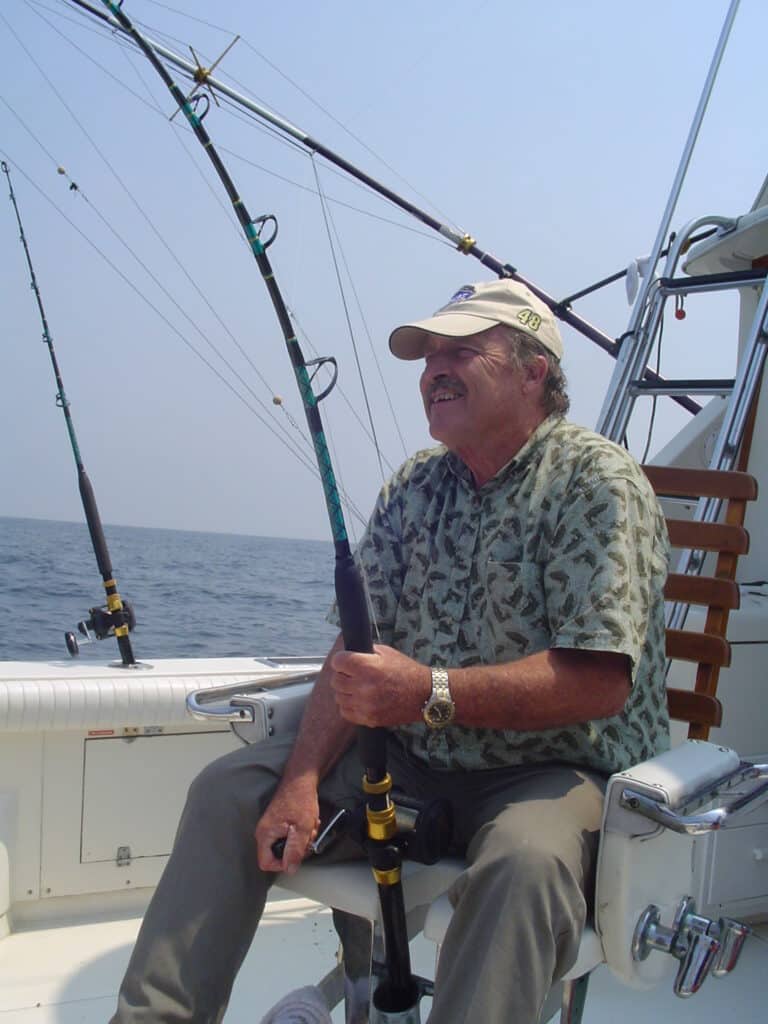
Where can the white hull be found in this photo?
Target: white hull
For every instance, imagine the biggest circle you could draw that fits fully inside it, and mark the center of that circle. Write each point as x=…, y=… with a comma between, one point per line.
x=89, y=766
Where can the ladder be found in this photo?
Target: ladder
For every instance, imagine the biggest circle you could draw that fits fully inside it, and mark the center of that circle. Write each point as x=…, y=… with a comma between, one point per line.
x=630, y=375
x=628, y=383
x=748, y=234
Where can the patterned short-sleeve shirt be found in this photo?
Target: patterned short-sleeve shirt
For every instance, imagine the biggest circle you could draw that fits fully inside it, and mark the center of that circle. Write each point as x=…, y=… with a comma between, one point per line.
x=565, y=547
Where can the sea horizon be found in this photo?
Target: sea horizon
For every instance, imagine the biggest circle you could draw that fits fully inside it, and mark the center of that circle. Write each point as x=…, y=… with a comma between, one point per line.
x=172, y=529
x=195, y=593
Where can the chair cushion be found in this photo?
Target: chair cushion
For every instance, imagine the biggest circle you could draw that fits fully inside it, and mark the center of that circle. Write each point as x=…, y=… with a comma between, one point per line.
x=350, y=886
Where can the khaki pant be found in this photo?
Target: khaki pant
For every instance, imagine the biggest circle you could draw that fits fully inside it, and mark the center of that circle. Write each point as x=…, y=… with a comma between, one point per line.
x=529, y=835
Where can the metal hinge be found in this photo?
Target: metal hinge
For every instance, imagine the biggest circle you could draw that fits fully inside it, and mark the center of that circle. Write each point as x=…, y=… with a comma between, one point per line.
x=123, y=858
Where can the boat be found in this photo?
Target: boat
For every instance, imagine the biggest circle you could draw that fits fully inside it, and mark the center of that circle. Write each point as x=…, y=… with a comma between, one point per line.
x=85, y=830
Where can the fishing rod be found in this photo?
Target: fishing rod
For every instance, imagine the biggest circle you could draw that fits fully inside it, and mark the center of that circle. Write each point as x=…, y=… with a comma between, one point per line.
x=117, y=618
x=398, y=993
x=463, y=241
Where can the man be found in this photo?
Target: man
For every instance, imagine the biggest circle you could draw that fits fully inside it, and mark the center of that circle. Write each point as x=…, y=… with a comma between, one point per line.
x=516, y=577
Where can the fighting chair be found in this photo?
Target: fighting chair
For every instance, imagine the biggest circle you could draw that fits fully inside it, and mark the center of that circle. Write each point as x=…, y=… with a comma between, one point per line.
x=653, y=812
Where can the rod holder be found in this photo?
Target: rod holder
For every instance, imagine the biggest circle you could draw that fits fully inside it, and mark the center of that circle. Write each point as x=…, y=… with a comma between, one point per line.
x=701, y=944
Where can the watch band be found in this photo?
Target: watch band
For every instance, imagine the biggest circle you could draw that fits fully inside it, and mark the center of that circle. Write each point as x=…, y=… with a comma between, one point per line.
x=440, y=688
x=439, y=709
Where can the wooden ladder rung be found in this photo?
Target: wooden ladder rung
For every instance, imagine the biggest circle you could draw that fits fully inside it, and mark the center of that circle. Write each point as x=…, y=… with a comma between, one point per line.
x=702, y=590
x=685, y=533
x=686, y=645
x=679, y=482
x=687, y=706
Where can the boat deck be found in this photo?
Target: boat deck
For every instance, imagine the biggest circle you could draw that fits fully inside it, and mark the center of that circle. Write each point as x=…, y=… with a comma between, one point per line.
x=67, y=971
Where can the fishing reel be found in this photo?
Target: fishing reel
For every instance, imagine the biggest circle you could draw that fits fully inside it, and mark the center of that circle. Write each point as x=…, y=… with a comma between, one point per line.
x=424, y=829
x=99, y=625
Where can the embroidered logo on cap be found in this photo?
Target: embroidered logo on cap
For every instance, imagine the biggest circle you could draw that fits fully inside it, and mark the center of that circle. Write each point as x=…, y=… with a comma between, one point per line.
x=463, y=293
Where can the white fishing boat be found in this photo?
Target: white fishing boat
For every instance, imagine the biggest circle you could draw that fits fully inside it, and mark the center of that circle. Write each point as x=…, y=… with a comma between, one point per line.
x=85, y=828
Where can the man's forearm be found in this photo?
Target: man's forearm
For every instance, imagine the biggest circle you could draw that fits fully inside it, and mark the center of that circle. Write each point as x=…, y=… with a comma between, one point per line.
x=323, y=734
x=543, y=691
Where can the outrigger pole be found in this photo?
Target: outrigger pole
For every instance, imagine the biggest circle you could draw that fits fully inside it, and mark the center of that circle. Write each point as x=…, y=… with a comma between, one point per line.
x=398, y=994
x=463, y=242
x=117, y=616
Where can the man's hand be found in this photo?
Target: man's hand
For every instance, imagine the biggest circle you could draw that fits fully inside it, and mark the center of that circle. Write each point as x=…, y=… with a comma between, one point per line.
x=293, y=815
x=384, y=688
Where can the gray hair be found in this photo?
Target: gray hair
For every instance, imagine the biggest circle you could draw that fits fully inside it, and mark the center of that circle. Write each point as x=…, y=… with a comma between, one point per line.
x=523, y=350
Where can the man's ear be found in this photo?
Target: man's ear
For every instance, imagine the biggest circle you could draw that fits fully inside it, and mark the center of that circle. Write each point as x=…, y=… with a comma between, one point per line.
x=534, y=373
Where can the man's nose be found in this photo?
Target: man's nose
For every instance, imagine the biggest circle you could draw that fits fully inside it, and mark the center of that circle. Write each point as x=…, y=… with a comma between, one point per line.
x=436, y=364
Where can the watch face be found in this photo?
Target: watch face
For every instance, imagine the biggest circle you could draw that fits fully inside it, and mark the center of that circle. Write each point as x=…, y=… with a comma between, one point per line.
x=440, y=712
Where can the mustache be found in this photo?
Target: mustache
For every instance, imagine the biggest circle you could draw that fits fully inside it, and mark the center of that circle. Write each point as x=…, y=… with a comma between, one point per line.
x=442, y=383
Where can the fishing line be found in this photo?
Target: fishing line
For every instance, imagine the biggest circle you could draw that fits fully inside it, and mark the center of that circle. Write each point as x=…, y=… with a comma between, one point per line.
x=350, y=329
x=372, y=347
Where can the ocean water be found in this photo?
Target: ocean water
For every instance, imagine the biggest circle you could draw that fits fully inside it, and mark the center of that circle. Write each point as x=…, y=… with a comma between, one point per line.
x=194, y=594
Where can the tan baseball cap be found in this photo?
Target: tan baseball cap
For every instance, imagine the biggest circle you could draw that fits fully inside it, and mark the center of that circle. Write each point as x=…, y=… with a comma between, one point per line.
x=477, y=307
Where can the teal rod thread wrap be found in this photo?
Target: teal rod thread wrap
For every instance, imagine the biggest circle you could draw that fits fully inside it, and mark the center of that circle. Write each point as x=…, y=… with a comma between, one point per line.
x=256, y=243
x=331, y=491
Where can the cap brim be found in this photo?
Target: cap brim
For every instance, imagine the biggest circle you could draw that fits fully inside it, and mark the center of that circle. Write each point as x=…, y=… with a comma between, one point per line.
x=408, y=341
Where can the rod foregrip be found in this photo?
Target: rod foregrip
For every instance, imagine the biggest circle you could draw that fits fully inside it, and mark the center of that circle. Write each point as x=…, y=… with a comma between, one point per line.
x=358, y=636
x=92, y=517
x=352, y=603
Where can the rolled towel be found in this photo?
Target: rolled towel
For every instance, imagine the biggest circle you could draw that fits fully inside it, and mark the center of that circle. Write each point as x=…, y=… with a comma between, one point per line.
x=303, y=1006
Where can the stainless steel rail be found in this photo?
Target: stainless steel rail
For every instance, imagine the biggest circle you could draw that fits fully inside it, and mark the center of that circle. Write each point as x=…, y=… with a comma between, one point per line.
x=221, y=702
x=707, y=821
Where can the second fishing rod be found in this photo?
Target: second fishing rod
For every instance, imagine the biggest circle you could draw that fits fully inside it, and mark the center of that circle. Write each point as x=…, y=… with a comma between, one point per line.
x=117, y=617
x=398, y=994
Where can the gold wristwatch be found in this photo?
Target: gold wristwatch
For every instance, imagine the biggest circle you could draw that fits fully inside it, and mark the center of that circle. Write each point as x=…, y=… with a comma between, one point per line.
x=439, y=709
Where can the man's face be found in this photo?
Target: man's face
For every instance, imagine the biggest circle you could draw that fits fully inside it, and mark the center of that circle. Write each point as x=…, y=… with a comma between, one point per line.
x=471, y=392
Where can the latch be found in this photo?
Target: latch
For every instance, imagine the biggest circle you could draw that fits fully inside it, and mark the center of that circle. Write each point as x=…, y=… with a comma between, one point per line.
x=123, y=858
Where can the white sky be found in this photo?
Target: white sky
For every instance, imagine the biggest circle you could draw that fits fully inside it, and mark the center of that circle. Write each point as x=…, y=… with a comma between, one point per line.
x=549, y=130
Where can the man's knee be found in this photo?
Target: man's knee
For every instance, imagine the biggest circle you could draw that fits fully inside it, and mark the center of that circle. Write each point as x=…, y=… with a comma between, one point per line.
x=521, y=864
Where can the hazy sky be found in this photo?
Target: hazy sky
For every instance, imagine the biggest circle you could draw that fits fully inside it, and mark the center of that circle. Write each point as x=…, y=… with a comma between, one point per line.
x=548, y=129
